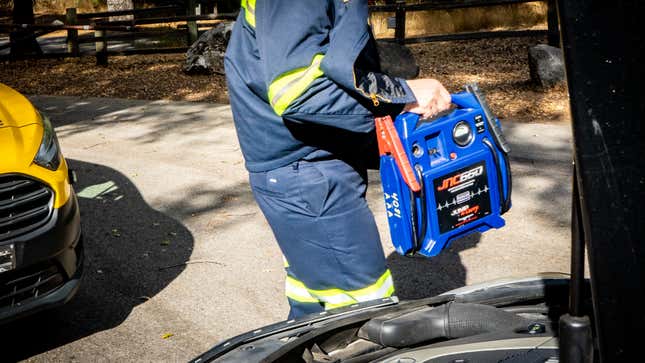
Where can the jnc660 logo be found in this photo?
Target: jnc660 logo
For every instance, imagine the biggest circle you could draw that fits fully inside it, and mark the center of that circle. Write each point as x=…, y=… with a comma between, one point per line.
x=460, y=178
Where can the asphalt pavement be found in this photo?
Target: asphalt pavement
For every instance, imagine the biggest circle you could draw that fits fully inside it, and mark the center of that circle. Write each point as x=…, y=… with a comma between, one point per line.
x=58, y=44
x=179, y=256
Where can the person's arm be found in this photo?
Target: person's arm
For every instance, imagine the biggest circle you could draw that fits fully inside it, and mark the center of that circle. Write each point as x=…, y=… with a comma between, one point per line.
x=309, y=54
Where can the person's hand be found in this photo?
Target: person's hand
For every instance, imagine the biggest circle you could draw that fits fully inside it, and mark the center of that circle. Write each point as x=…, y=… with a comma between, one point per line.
x=431, y=96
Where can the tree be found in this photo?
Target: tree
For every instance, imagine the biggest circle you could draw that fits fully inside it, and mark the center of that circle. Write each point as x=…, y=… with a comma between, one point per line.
x=23, y=41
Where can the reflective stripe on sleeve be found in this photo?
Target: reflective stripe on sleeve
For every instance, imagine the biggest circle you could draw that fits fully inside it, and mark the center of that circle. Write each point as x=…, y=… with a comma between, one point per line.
x=289, y=86
x=249, y=11
x=336, y=298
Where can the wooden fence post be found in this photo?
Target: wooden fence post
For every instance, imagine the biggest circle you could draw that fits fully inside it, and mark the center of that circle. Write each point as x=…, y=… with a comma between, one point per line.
x=191, y=26
x=553, y=34
x=101, y=47
x=72, y=34
x=399, y=31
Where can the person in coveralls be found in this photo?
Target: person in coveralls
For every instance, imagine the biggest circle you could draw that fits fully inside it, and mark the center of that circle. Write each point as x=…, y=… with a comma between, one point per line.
x=305, y=84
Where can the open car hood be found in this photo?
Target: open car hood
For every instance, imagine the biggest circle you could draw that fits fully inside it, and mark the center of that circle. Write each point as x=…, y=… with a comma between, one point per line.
x=370, y=329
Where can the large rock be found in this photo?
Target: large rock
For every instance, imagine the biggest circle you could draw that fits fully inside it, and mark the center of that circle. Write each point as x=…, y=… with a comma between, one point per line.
x=397, y=60
x=546, y=65
x=206, y=55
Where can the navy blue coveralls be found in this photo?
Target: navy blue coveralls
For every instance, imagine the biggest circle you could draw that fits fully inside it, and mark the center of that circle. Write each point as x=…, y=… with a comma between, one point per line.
x=304, y=84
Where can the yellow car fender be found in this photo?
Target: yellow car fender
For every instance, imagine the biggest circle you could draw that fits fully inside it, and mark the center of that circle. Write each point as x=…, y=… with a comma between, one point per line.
x=21, y=133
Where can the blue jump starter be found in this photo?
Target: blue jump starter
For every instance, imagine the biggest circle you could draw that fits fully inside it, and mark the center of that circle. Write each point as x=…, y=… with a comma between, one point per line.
x=458, y=177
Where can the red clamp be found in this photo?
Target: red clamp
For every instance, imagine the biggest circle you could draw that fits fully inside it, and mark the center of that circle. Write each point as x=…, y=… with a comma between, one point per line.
x=389, y=143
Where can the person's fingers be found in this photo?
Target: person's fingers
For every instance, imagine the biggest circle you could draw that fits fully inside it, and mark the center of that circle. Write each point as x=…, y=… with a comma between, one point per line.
x=431, y=96
x=445, y=95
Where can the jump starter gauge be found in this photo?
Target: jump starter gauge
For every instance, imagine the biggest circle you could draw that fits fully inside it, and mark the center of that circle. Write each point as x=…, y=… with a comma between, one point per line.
x=462, y=134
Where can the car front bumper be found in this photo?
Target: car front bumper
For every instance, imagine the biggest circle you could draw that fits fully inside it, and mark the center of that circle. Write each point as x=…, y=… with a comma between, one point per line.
x=48, y=265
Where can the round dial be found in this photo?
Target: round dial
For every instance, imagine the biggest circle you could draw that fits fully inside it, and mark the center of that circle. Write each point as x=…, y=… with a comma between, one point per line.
x=462, y=133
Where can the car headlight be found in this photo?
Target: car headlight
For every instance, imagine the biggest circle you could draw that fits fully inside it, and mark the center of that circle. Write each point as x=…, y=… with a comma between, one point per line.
x=48, y=155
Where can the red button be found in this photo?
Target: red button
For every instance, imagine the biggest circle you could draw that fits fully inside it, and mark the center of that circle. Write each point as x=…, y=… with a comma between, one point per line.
x=453, y=156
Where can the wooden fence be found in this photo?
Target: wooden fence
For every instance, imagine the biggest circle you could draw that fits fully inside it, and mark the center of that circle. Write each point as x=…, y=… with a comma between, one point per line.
x=124, y=29
x=130, y=29
x=400, y=9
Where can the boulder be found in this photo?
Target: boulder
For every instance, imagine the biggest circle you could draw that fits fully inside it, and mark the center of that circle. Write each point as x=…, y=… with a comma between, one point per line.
x=546, y=65
x=206, y=55
x=397, y=60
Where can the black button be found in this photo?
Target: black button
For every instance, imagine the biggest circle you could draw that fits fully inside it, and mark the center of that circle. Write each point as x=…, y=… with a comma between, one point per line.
x=479, y=124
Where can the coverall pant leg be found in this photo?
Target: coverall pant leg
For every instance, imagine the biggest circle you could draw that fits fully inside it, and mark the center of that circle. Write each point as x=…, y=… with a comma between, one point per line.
x=320, y=218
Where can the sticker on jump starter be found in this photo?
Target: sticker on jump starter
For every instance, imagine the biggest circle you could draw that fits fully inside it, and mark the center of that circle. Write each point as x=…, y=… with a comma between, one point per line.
x=479, y=124
x=462, y=197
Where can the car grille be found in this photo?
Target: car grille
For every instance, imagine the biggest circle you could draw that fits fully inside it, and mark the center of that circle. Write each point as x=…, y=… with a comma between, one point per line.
x=25, y=205
x=22, y=286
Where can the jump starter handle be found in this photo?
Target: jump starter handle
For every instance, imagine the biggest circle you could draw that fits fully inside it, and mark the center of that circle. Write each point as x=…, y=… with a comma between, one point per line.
x=494, y=128
x=389, y=143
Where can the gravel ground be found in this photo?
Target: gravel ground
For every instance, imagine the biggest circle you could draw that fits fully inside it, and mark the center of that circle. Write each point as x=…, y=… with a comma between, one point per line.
x=500, y=67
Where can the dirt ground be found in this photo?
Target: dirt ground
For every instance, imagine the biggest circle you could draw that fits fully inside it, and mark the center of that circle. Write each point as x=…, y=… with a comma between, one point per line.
x=499, y=66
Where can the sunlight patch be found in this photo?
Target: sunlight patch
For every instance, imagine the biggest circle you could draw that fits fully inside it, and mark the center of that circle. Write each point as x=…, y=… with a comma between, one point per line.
x=97, y=191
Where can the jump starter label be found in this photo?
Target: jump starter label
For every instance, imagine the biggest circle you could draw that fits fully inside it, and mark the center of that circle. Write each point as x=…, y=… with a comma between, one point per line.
x=462, y=196
x=479, y=124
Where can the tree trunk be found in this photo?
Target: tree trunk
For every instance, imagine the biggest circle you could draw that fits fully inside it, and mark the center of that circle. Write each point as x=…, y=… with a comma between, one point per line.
x=116, y=5
x=23, y=41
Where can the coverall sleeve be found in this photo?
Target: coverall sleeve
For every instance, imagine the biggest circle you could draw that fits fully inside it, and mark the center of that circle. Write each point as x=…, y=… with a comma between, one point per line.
x=310, y=51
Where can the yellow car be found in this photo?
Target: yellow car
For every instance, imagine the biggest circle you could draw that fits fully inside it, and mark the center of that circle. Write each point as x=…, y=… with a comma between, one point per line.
x=41, y=252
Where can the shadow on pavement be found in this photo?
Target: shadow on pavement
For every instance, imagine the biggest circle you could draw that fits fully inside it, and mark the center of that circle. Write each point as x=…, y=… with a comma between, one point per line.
x=132, y=253
x=87, y=115
x=420, y=277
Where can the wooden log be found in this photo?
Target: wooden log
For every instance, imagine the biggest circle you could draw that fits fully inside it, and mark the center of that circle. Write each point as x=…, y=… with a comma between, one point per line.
x=552, y=20
x=191, y=25
x=399, y=30
x=443, y=4
x=472, y=36
x=72, y=34
x=135, y=12
x=101, y=48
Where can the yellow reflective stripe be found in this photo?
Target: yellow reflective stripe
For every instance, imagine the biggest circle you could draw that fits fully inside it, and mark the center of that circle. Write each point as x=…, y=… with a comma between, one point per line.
x=374, y=291
x=334, y=298
x=297, y=291
x=389, y=292
x=249, y=11
x=290, y=85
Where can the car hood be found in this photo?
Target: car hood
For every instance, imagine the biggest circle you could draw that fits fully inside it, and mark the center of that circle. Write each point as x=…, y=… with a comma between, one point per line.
x=18, y=146
x=273, y=342
x=15, y=109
